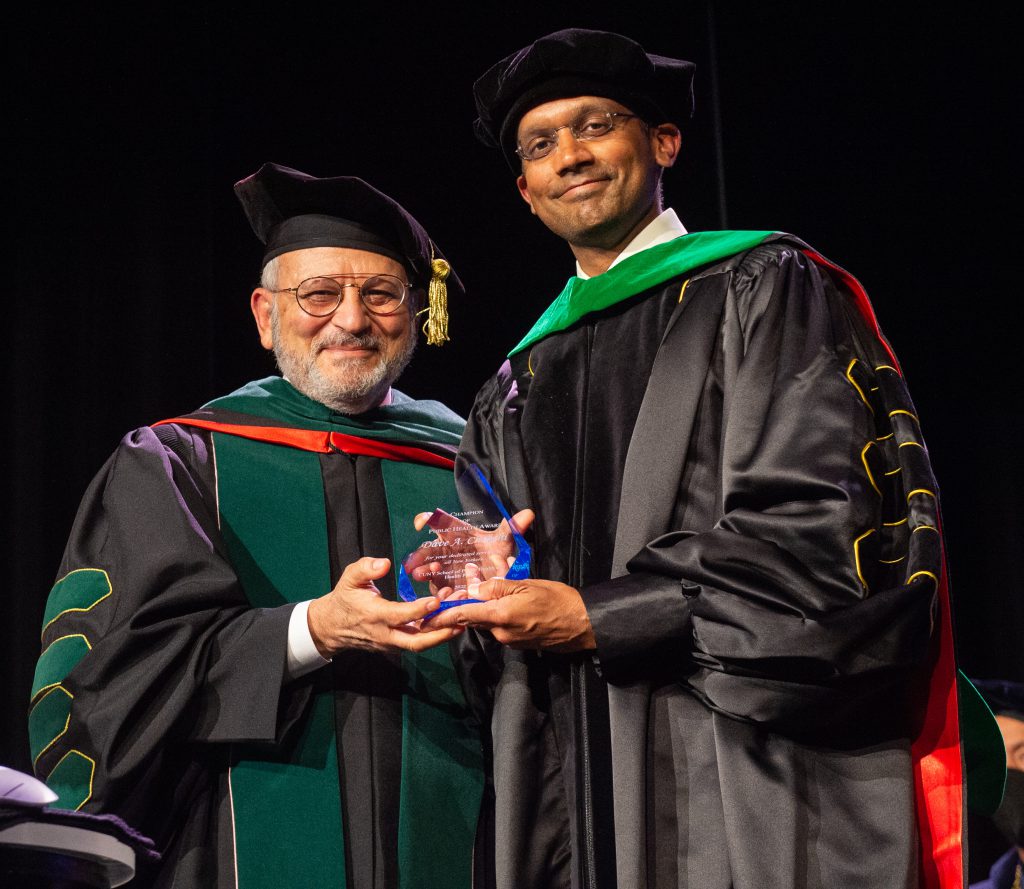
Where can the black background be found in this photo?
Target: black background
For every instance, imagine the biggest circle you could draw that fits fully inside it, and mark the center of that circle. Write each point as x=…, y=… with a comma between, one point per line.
x=882, y=137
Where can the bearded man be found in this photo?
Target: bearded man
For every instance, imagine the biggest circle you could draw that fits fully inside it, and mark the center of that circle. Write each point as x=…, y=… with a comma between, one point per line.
x=222, y=664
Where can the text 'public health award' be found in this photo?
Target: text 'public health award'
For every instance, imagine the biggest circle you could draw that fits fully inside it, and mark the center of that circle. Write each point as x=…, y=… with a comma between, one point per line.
x=461, y=550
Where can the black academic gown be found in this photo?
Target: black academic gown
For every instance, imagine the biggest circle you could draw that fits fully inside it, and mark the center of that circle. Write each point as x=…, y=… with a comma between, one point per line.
x=183, y=672
x=700, y=467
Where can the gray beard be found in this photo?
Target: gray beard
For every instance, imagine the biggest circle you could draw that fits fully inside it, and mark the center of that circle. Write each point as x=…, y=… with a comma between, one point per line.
x=351, y=396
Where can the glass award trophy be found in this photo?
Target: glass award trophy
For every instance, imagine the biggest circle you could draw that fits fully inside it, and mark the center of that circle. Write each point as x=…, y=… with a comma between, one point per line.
x=463, y=549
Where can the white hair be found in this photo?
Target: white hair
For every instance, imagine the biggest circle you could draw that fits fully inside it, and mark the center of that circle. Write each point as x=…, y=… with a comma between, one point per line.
x=269, y=275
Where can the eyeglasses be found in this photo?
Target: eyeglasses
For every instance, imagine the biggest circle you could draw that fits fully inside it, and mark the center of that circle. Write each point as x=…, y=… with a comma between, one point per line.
x=381, y=294
x=592, y=125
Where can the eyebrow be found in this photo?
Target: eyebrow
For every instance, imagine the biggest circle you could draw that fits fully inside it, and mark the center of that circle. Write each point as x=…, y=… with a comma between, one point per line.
x=576, y=112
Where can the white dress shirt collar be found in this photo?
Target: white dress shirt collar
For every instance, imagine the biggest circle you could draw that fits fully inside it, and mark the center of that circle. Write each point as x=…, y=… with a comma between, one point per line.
x=663, y=228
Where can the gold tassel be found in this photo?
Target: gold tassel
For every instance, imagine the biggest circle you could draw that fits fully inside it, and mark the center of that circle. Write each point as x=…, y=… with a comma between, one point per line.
x=436, y=325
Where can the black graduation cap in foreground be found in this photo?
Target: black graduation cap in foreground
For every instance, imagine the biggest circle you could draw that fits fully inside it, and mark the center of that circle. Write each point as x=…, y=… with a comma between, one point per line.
x=1002, y=696
x=579, y=62
x=291, y=210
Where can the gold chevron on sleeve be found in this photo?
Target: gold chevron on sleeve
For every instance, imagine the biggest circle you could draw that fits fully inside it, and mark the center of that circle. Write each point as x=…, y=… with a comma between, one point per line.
x=856, y=555
x=853, y=382
x=867, y=469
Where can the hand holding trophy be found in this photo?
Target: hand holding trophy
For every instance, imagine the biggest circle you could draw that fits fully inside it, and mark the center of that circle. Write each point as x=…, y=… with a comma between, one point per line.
x=469, y=547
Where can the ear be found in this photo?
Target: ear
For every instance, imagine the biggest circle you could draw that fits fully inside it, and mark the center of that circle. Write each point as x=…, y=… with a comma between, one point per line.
x=524, y=192
x=666, y=141
x=261, y=302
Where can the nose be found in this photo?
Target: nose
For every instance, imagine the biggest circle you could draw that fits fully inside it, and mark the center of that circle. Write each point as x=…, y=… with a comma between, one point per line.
x=351, y=314
x=570, y=153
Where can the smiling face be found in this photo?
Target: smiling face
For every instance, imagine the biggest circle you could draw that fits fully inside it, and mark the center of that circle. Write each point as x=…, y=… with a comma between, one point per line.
x=346, y=360
x=597, y=193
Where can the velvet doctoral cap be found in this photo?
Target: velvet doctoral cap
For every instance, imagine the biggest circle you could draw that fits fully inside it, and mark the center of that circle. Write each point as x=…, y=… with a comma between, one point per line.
x=291, y=210
x=579, y=62
x=1002, y=696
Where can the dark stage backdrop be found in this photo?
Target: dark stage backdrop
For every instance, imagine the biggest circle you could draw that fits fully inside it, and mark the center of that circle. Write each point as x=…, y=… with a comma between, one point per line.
x=879, y=137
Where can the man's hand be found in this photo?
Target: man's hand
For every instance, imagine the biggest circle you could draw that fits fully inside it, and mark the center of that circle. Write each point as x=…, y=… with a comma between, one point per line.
x=355, y=615
x=536, y=614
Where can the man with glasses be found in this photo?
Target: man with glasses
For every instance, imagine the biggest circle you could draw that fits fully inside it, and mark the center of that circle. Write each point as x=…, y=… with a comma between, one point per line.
x=223, y=665
x=710, y=680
